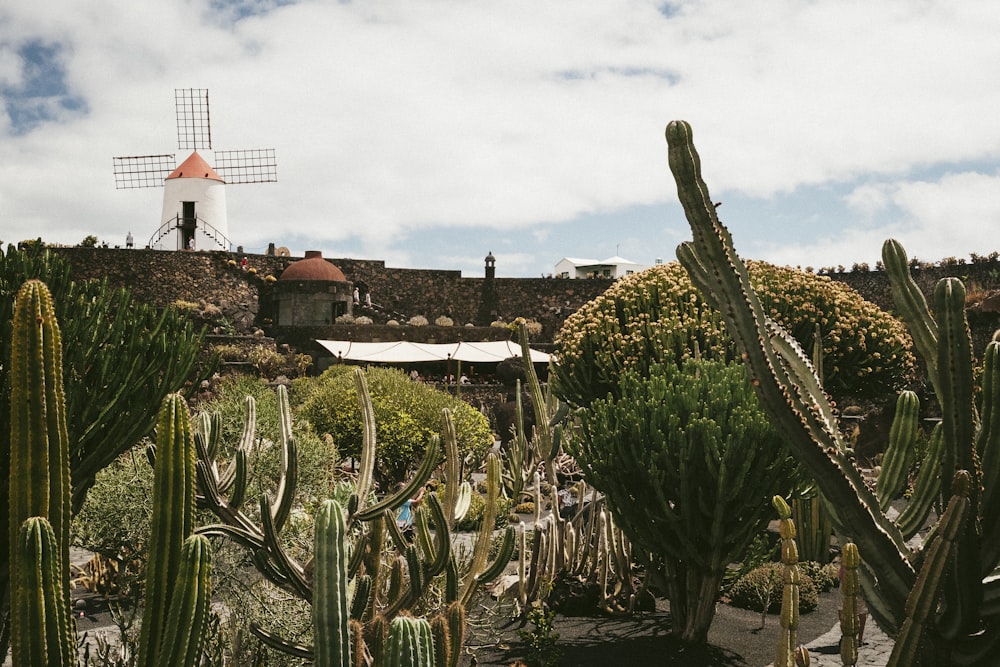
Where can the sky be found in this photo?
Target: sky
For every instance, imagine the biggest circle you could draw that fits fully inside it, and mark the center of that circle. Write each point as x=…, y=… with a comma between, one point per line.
x=428, y=133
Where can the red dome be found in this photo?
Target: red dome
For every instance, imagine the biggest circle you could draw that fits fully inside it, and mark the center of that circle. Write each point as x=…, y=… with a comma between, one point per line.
x=313, y=267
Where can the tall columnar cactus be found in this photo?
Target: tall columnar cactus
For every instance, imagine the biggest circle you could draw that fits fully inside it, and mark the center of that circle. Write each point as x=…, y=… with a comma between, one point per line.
x=850, y=604
x=788, y=635
x=330, y=600
x=39, y=446
x=967, y=627
x=172, y=561
x=124, y=358
x=45, y=635
x=40, y=474
x=926, y=591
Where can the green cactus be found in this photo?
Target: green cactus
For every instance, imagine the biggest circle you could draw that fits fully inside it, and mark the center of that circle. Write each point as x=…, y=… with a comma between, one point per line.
x=190, y=606
x=39, y=448
x=330, y=604
x=926, y=591
x=788, y=635
x=391, y=576
x=900, y=450
x=44, y=633
x=965, y=631
x=169, y=554
x=687, y=462
x=124, y=358
x=850, y=596
x=177, y=584
x=411, y=643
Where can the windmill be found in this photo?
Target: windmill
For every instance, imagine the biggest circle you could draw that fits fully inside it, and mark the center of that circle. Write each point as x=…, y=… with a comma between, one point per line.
x=194, y=193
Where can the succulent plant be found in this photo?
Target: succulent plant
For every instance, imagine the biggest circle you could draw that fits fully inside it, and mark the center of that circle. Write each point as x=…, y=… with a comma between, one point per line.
x=964, y=630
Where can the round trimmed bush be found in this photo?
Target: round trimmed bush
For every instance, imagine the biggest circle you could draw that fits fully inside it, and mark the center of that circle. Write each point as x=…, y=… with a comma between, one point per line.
x=658, y=316
x=764, y=585
x=407, y=415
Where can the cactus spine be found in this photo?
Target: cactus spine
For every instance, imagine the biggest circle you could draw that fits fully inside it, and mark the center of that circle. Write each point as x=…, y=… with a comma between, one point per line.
x=39, y=457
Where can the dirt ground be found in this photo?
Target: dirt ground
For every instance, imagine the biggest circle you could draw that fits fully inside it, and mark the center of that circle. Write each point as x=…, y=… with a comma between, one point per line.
x=735, y=639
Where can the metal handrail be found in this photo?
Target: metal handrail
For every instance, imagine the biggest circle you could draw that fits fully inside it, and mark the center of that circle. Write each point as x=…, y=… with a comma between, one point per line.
x=174, y=223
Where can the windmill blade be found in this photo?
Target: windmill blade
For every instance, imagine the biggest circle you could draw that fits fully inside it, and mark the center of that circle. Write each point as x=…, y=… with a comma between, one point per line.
x=257, y=165
x=194, y=131
x=142, y=171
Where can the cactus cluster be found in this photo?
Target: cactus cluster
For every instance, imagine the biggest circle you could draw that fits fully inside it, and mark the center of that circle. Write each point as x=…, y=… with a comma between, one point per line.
x=124, y=358
x=587, y=546
x=359, y=546
x=963, y=631
x=177, y=605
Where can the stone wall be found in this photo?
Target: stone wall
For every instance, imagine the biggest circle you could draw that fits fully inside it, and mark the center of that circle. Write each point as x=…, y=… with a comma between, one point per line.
x=161, y=277
x=245, y=297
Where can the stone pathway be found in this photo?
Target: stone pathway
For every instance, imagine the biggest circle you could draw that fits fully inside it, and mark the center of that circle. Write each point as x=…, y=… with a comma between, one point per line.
x=824, y=651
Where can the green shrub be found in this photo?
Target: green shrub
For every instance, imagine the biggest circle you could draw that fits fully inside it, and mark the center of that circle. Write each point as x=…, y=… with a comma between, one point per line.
x=114, y=522
x=763, y=585
x=266, y=361
x=527, y=507
x=473, y=519
x=657, y=316
x=824, y=575
x=407, y=415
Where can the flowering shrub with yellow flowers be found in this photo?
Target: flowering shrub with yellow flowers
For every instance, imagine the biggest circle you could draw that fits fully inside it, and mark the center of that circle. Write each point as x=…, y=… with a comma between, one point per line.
x=657, y=315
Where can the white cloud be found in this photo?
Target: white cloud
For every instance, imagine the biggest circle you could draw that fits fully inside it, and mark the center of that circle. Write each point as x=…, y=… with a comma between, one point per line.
x=394, y=121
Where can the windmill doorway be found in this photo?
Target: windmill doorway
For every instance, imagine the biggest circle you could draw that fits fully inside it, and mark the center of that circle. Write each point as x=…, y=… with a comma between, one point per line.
x=187, y=225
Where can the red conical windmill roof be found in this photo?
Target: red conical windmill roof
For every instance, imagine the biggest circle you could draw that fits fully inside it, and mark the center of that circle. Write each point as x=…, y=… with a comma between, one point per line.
x=195, y=167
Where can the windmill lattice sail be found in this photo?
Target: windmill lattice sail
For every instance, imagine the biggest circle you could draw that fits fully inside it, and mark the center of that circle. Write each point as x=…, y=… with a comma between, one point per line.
x=194, y=200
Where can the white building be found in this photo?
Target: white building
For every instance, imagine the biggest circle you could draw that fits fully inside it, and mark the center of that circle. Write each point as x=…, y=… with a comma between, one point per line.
x=612, y=267
x=194, y=209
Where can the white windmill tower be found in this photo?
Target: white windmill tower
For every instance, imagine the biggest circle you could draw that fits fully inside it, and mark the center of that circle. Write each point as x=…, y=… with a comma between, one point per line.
x=194, y=193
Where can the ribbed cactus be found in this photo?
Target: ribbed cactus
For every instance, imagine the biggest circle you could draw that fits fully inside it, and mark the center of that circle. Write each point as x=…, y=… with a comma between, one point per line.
x=410, y=644
x=190, y=606
x=850, y=604
x=124, y=358
x=924, y=597
x=967, y=627
x=39, y=453
x=172, y=523
x=390, y=574
x=900, y=451
x=44, y=631
x=330, y=603
x=177, y=584
x=788, y=635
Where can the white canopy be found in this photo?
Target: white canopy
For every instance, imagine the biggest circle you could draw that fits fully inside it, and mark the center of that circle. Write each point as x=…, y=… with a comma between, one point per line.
x=406, y=352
